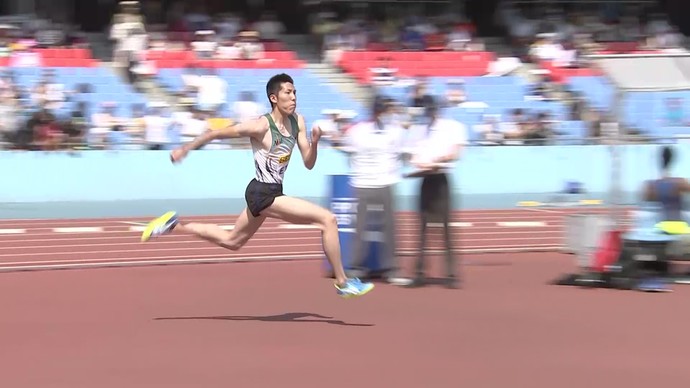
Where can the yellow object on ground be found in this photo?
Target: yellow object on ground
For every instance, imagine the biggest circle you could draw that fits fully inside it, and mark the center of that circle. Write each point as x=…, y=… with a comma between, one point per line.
x=673, y=227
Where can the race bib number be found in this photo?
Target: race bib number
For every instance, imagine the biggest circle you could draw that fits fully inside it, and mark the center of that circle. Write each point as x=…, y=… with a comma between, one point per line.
x=284, y=159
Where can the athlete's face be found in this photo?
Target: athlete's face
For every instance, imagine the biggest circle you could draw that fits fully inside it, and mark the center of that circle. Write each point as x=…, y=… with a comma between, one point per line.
x=286, y=100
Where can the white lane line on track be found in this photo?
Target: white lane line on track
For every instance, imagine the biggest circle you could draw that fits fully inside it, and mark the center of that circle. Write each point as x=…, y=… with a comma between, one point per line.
x=224, y=220
x=127, y=238
x=78, y=229
x=271, y=229
x=508, y=215
x=431, y=225
x=12, y=231
x=140, y=228
x=206, y=247
x=467, y=212
x=223, y=258
x=521, y=224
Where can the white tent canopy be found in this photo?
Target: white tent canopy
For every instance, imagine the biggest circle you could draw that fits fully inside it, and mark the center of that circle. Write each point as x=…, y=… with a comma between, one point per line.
x=646, y=72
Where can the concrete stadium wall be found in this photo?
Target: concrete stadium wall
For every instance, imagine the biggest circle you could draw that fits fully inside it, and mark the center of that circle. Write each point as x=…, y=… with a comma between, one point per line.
x=486, y=177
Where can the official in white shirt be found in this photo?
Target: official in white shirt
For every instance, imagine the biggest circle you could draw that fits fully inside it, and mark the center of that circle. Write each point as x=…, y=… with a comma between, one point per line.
x=376, y=151
x=436, y=143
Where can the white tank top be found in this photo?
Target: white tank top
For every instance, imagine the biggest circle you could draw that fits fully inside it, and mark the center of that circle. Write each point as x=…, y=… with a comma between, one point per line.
x=271, y=164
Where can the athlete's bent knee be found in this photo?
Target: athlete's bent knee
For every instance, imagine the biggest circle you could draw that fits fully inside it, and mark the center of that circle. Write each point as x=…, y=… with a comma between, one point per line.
x=329, y=221
x=232, y=244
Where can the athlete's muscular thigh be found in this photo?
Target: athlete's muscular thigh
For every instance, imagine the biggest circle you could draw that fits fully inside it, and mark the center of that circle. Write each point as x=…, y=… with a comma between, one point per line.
x=245, y=227
x=299, y=211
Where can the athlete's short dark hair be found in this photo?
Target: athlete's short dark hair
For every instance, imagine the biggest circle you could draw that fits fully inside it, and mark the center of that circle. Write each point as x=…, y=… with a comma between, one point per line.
x=275, y=83
x=666, y=156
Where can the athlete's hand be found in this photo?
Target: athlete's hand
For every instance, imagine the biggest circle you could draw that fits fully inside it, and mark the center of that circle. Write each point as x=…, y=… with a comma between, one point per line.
x=315, y=134
x=178, y=154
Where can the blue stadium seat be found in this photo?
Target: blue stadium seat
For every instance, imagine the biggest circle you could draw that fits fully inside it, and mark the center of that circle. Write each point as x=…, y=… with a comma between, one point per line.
x=646, y=112
x=313, y=95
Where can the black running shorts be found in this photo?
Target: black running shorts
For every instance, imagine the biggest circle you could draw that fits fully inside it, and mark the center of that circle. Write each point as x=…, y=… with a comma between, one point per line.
x=260, y=196
x=434, y=199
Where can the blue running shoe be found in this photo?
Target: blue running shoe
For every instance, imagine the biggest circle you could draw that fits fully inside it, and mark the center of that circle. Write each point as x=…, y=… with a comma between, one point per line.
x=653, y=285
x=160, y=226
x=353, y=288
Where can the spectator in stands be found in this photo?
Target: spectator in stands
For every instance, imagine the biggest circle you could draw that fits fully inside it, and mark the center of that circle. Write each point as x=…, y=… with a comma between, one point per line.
x=459, y=38
x=135, y=125
x=411, y=39
x=455, y=92
x=227, y=27
x=250, y=45
x=227, y=49
x=331, y=125
x=269, y=28
x=545, y=48
x=490, y=131
x=204, y=44
x=513, y=127
x=420, y=94
x=541, y=88
x=8, y=88
x=197, y=19
x=55, y=93
x=76, y=126
x=246, y=107
x=103, y=122
x=538, y=130
x=383, y=74
x=9, y=120
x=157, y=127
x=212, y=90
x=192, y=125
x=125, y=32
x=47, y=133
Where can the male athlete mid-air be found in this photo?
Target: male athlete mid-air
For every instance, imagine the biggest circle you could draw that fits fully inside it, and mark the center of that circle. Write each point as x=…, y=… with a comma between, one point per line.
x=273, y=138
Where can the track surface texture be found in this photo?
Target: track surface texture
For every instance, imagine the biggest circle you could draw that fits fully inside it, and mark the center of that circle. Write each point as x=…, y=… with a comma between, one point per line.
x=267, y=324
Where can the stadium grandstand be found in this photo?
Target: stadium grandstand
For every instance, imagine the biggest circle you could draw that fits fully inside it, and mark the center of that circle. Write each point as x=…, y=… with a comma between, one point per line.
x=514, y=71
x=123, y=266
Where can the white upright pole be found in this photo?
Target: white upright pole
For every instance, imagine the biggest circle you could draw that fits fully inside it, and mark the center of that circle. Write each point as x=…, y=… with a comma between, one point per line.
x=616, y=174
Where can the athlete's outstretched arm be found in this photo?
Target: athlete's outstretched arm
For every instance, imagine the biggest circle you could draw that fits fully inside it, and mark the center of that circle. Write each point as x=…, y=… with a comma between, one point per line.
x=307, y=149
x=252, y=128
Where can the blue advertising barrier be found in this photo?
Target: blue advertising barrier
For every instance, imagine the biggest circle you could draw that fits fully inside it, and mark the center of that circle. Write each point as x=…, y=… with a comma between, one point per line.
x=343, y=203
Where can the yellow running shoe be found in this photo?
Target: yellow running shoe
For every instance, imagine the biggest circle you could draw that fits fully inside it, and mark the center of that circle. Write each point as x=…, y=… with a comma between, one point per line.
x=160, y=226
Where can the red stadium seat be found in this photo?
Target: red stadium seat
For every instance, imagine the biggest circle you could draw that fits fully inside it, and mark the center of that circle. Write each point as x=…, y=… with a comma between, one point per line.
x=419, y=63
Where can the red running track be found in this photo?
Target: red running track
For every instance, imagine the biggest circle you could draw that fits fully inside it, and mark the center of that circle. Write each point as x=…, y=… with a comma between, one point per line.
x=281, y=324
x=79, y=243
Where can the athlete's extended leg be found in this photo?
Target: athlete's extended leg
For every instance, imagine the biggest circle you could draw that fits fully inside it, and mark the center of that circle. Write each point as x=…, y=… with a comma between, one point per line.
x=245, y=227
x=299, y=211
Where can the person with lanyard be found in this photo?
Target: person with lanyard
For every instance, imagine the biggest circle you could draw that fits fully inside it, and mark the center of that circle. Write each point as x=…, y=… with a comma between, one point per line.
x=375, y=149
x=435, y=143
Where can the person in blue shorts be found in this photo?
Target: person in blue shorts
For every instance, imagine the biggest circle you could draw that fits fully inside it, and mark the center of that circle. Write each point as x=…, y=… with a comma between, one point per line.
x=273, y=137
